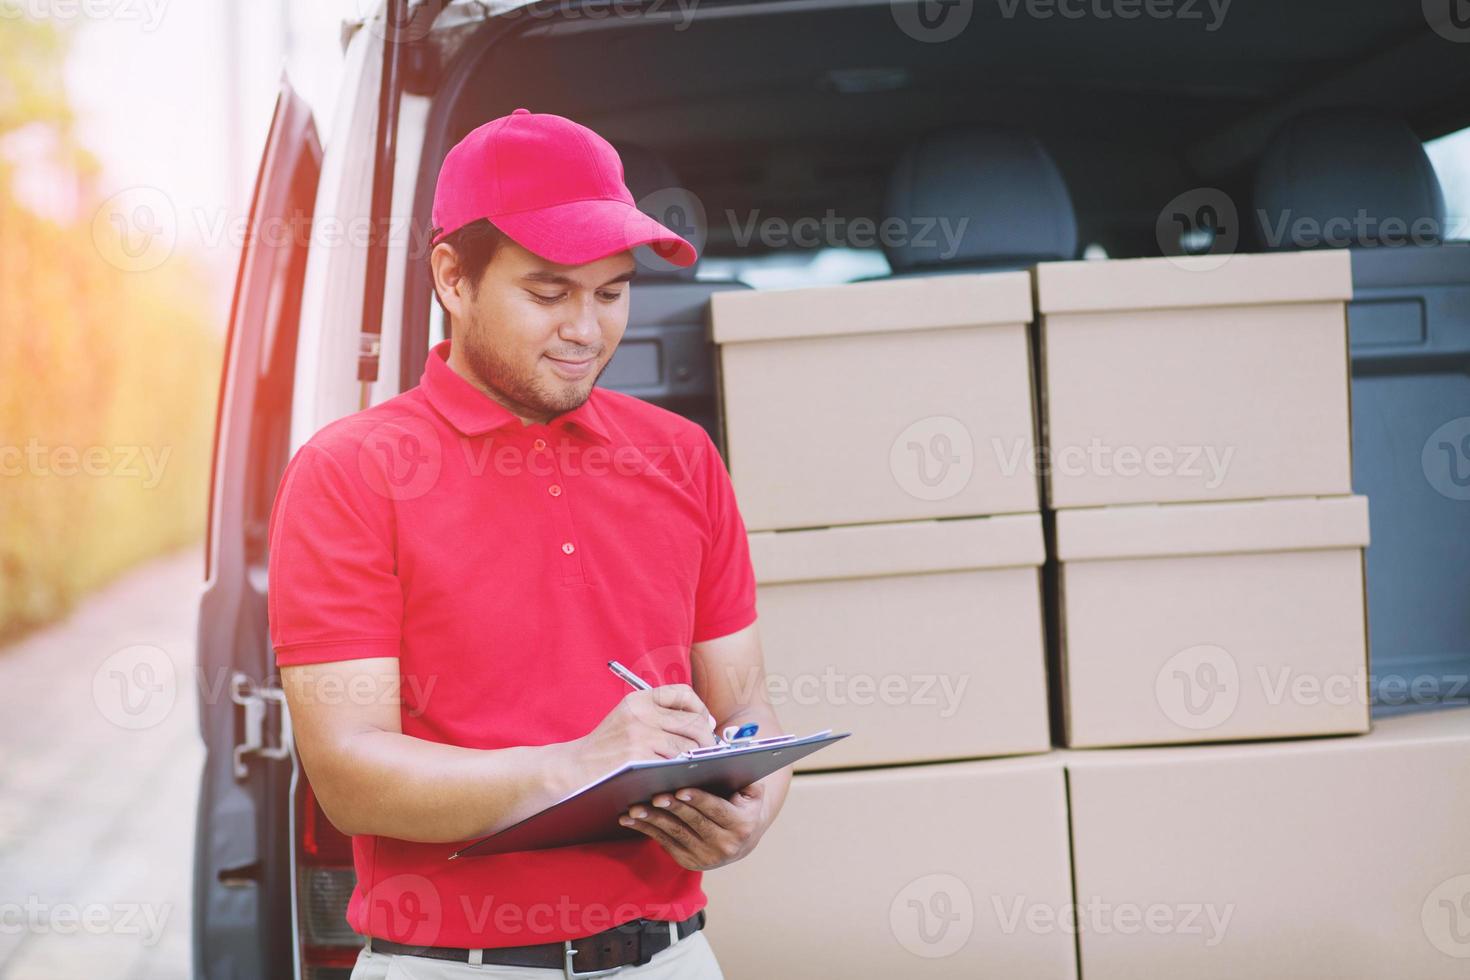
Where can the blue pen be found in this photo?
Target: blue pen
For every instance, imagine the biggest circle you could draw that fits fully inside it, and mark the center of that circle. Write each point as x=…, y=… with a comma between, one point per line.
x=734, y=734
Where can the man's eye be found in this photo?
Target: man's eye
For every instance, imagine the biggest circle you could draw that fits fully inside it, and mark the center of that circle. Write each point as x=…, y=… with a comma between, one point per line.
x=611, y=297
x=545, y=299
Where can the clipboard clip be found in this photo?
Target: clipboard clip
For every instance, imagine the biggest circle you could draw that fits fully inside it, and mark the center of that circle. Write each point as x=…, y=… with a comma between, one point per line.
x=731, y=734
x=749, y=742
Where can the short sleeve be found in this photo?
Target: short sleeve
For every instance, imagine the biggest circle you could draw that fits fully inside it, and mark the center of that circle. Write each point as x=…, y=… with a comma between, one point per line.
x=333, y=589
x=725, y=601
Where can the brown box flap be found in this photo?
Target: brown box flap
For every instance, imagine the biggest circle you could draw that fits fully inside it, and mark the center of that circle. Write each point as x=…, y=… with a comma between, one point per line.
x=1201, y=280
x=905, y=548
x=1233, y=527
x=920, y=303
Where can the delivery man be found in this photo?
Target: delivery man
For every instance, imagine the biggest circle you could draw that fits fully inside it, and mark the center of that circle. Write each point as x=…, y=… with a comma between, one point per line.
x=452, y=570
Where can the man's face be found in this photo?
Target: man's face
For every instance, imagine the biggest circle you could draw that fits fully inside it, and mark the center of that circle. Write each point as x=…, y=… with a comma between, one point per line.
x=538, y=334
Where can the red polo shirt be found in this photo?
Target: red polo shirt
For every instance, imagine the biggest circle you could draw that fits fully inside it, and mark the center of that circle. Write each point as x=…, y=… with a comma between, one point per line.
x=504, y=565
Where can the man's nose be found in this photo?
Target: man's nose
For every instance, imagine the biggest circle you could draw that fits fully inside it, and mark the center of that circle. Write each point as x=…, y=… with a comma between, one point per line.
x=582, y=327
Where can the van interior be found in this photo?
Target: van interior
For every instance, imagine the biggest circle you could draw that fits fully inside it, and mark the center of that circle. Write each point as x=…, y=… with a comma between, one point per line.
x=780, y=135
x=1060, y=130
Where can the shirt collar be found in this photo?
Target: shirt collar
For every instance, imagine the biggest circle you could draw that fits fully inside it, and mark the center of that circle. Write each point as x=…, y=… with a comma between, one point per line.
x=475, y=413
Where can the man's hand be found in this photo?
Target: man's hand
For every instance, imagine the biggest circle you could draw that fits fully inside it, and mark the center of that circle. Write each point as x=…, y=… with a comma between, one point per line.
x=658, y=723
x=701, y=830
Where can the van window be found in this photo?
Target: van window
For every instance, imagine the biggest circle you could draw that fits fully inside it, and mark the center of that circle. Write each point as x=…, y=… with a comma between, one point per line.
x=1451, y=158
x=804, y=267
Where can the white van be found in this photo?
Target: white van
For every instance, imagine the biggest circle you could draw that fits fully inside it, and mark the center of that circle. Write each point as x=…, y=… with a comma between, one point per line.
x=769, y=131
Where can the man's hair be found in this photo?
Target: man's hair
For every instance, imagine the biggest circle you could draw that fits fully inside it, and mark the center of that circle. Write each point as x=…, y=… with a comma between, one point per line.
x=475, y=244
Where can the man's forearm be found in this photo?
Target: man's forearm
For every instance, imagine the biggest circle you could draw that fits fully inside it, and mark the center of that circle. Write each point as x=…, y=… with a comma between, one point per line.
x=394, y=785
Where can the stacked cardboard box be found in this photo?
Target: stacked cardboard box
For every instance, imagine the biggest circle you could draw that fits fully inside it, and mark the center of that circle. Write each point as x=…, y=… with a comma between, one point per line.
x=880, y=436
x=867, y=402
x=1197, y=457
x=1209, y=588
x=1338, y=858
x=1342, y=858
x=956, y=870
x=923, y=639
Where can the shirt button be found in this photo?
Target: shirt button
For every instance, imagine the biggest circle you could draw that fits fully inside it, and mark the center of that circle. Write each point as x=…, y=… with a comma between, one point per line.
x=554, y=490
x=539, y=444
x=568, y=548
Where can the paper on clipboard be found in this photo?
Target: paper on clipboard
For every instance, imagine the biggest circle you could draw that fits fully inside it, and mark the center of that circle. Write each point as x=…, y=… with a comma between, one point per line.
x=591, y=813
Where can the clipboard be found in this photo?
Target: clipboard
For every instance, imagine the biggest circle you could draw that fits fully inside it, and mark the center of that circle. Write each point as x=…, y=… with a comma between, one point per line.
x=591, y=813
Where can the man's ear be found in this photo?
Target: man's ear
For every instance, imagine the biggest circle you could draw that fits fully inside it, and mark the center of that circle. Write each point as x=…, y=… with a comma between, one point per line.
x=454, y=288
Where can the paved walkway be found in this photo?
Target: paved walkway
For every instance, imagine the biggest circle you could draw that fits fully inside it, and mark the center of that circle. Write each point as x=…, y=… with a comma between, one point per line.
x=97, y=795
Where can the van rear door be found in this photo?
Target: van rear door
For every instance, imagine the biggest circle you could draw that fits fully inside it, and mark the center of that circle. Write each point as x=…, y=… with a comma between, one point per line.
x=242, y=891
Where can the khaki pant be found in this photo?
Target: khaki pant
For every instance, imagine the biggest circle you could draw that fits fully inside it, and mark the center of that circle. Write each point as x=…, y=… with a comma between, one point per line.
x=691, y=958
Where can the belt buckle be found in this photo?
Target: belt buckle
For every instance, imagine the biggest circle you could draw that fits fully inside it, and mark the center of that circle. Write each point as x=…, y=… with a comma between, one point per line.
x=570, y=972
x=569, y=952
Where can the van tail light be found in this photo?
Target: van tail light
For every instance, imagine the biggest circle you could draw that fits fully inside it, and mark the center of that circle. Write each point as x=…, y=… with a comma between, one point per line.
x=324, y=884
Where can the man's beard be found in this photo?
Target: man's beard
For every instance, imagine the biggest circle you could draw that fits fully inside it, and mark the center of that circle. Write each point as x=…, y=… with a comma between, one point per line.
x=523, y=390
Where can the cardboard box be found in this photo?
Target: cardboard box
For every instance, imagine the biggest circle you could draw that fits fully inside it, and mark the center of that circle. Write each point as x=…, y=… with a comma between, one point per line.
x=880, y=401
x=1183, y=379
x=924, y=639
x=1210, y=622
x=1319, y=859
x=954, y=870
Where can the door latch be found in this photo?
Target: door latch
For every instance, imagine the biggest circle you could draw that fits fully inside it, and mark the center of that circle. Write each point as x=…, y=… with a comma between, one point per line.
x=257, y=700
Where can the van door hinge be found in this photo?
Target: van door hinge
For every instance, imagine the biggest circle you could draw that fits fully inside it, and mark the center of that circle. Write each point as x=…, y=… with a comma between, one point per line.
x=261, y=704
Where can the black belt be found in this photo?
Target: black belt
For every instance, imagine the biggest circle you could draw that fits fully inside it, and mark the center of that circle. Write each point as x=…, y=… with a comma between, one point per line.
x=630, y=944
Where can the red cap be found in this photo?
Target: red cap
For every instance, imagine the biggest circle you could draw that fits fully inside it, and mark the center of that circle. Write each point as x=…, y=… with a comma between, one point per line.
x=553, y=186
